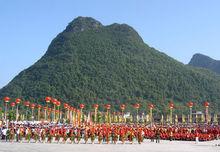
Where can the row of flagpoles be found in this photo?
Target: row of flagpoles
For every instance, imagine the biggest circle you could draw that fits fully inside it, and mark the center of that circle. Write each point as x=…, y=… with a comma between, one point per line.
x=55, y=111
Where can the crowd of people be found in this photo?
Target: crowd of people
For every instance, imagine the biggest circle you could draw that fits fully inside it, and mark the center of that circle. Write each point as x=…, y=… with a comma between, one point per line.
x=106, y=133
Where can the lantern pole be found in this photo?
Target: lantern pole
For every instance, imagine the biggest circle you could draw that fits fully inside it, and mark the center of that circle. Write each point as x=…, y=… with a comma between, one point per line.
x=190, y=114
x=207, y=113
x=122, y=106
x=12, y=108
x=151, y=106
x=171, y=115
x=32, y=114
x=206, y=104
x=108, y=116
x=58, y=115
x=81, y=116
x=151, y=115
x=6, y=99
x=17, y=112
x=45, y=113
x=171, y=105
x=122, y=113
x=47, y=99
x=26, y=113
x=54, y=113
x=95, y=112
x=95, y=119
x=74, y=117
x=38, y=114
x=162, y=119
x=5, y=111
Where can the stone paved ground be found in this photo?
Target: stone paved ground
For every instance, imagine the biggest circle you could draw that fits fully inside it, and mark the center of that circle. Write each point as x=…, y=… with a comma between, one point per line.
x=147, y=146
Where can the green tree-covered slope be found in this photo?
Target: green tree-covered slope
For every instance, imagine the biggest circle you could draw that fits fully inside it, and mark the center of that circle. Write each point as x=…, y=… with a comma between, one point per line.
x=89, y=62
x=203, y=61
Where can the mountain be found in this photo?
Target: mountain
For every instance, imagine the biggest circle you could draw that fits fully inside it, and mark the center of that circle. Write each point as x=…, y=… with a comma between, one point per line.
x=89, y=62
x=203, y=61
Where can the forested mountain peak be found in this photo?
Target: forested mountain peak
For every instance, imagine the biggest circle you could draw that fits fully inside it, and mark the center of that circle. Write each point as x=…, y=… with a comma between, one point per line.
x=91, y=63
x=203, y=61
x=82, y=23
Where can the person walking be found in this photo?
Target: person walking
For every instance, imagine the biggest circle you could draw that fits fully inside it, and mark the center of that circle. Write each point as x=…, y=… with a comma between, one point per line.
x=157, y=136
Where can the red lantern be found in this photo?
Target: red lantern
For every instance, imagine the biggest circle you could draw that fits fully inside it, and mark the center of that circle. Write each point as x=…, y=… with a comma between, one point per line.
x=27, y=103
x=66, y=106
x=32, y=106
x=17, y=100
x=190, y=104
x=206, y=104
x=122, y=106
x=136, y=106
x=171, y=105
x=81, y=106
x=39, y=106
x=108, y=106
x=151, y=106
x=95, y=106
x=12, y=104
x=48, y=99
x=58, y=103
x=54, y=101
x=6, y=99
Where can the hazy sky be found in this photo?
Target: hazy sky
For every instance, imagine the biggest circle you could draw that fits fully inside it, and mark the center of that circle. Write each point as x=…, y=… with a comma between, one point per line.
x=178, y=28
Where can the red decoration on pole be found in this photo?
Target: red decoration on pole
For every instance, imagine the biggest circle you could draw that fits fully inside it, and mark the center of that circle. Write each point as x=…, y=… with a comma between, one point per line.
x=136, y=106
x=39, y=106
x=18, y=101
x=66, y=106
x=171, y=105
x=108, y=106
x=122, y=106
x=95, y=106
x=12, y=104
x=6, y=99
x=58, y=103
x=33, y=106
x=27, y=103
x=151, y=106
x=206, y=104
x=81, y=106
x=48, y=99
x=190, y=104
x=54, y=101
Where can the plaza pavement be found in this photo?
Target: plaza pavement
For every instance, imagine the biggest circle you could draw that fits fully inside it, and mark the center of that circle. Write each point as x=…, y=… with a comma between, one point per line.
x=147, y=146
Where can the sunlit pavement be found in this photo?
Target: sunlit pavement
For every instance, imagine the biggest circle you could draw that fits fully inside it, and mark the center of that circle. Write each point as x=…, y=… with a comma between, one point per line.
x=147, y=146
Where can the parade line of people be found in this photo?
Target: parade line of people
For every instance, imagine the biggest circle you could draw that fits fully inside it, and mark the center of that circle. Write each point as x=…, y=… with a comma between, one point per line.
x=105, y=133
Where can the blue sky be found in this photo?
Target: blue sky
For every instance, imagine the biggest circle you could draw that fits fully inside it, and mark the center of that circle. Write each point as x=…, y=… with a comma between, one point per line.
x=178, y=28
